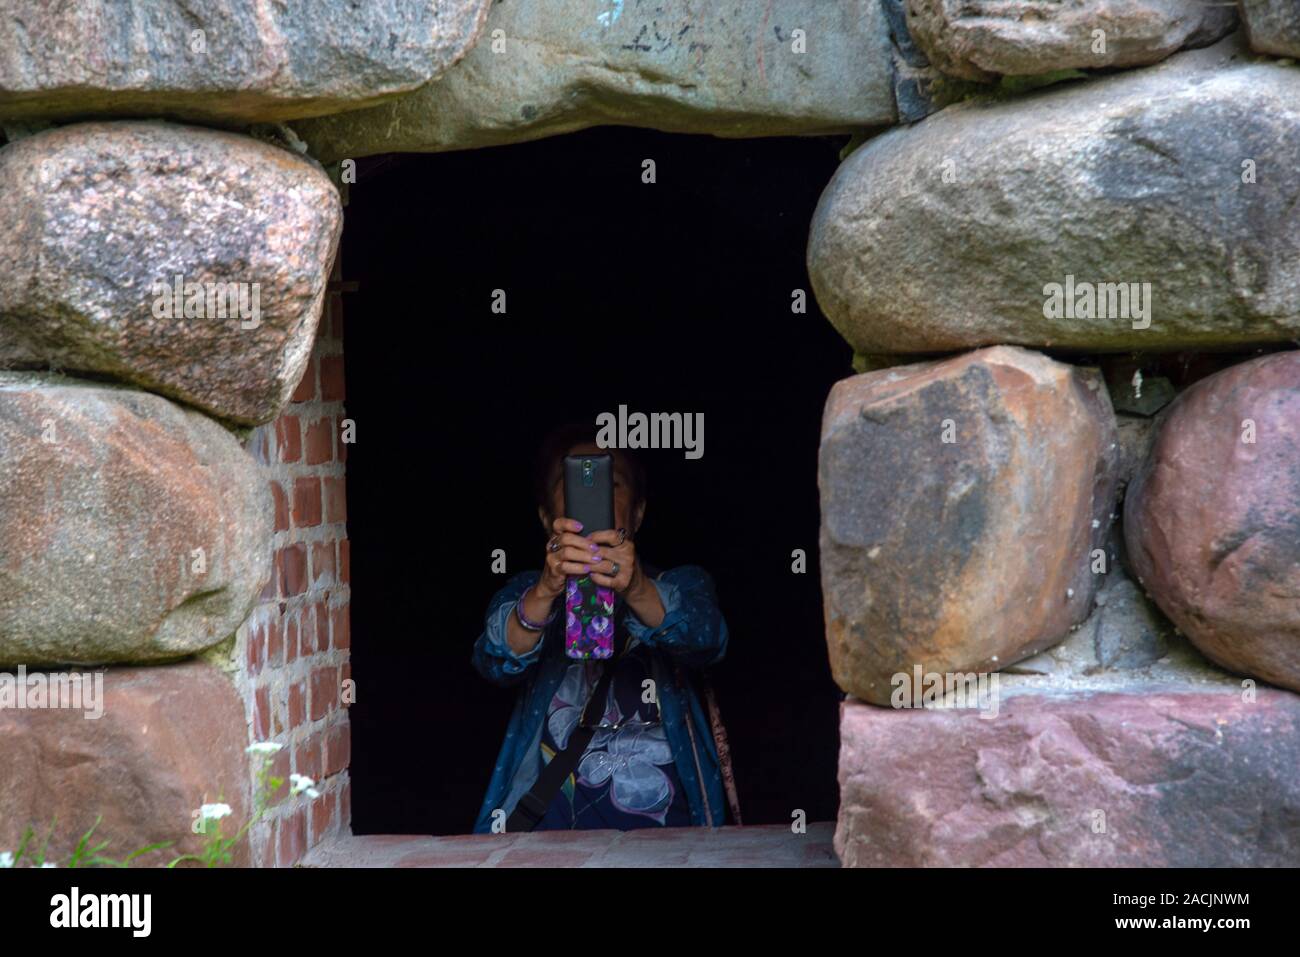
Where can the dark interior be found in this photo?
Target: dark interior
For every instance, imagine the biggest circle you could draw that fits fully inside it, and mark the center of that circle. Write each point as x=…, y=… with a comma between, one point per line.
x=669, y=297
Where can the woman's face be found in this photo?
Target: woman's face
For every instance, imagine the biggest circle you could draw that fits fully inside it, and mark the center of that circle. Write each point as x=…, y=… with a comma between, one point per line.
x=626, y=515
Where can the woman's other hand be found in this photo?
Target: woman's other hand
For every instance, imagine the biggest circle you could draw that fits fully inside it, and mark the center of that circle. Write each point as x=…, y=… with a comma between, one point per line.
x=615, y=565
x=617, y=568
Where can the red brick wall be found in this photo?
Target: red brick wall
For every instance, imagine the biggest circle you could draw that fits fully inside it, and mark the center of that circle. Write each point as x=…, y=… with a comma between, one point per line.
x=293, y=650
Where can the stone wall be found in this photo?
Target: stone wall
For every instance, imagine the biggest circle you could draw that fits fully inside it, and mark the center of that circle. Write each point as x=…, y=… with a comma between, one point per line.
x=1062, y=569
x=1063, y=243
x=177, y=539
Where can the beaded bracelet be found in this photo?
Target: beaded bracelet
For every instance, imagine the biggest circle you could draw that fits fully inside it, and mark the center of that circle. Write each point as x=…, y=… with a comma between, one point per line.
x=532, y=625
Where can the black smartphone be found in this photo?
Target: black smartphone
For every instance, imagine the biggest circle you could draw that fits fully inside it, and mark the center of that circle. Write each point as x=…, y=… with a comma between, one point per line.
x=589, y=491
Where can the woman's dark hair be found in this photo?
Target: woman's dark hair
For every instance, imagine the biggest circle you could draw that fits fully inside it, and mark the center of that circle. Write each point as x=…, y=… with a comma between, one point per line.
x=556, y=446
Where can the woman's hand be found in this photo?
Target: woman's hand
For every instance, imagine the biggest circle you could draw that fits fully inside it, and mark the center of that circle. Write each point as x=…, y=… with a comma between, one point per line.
x=567, y=554
x=615, y=565
x=617, y=568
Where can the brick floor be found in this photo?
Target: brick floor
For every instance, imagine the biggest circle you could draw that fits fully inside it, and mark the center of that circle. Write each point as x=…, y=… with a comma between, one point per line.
x=753, y=846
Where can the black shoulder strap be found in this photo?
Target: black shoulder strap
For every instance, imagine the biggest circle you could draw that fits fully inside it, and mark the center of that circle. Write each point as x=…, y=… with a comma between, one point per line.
x=532, y=806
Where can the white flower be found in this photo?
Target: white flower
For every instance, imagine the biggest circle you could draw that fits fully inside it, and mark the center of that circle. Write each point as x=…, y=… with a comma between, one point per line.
x=301, y=784
x=263, y=747
x=215, y=812
x=48, y=864
x=6, y=859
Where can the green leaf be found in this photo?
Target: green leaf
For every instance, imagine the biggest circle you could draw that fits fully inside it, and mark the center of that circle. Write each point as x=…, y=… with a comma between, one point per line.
x=80, y=851
x=28, y=834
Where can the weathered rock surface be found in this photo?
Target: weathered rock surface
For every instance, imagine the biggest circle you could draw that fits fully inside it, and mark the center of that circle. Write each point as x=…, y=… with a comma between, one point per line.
x=962, y=555
x=168, y=740
x=237, y=60
x=982, y=39
x=130, y=529
x=956, y=232
x=1125, y=632
x=726, y=68
x=1272, y=26
x=1212, y=520
x=1143, y=777
x=1136, y=434
x=100, y=219
x=914, y=76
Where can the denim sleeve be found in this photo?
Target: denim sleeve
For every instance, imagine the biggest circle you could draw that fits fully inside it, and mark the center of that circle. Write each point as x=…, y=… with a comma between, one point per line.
x=693, y=630
x=493, y=657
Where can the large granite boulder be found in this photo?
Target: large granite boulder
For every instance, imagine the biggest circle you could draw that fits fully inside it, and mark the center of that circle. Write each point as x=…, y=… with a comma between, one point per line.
x=187, y=261
x=234, y=60
x=1151, y=210
x=131, y=529
x=982, y=39
x=961, y=501
x=733, y=68
x=1145, y=776
x=1273, y=26
x=146, y=749
x=1212, y=519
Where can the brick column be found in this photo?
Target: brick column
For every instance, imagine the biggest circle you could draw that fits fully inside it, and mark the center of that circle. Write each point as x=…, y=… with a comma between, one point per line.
x=294, y=648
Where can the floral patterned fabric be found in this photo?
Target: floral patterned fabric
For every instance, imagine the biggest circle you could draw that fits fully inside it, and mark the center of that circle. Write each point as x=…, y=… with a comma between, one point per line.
x=626, y=777
x=589, y=619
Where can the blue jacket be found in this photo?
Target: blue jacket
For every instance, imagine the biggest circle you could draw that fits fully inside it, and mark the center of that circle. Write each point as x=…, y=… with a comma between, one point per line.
x=692, y=634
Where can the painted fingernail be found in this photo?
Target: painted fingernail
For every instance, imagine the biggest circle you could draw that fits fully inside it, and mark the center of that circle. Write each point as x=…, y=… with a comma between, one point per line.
x=595, y=547
x=586, y=568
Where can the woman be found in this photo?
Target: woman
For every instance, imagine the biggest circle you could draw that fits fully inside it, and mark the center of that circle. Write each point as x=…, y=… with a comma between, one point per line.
x=651, y=759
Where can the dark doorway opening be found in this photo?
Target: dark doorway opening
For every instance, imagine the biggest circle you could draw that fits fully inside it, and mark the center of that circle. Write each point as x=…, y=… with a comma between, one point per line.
x=671, y=297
